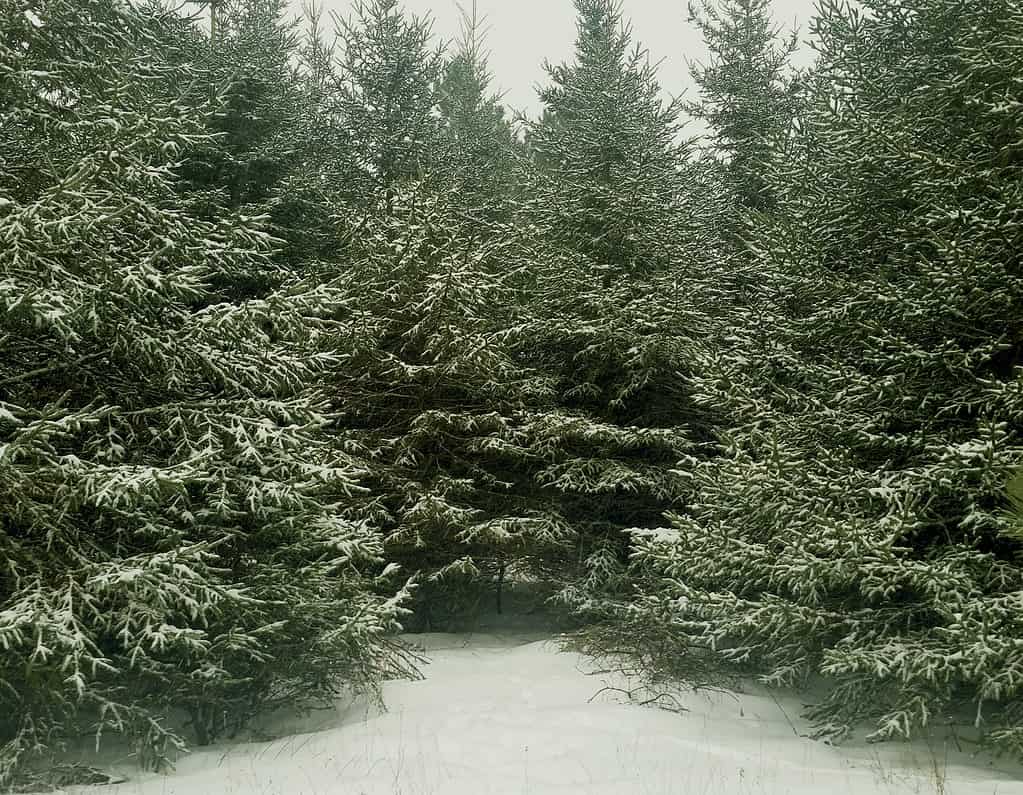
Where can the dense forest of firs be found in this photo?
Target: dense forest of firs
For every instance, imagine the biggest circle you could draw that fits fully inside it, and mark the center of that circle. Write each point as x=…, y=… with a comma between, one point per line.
x=305, y=341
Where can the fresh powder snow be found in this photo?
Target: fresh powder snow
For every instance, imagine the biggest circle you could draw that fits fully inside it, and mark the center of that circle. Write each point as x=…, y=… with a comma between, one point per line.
x=510, y=713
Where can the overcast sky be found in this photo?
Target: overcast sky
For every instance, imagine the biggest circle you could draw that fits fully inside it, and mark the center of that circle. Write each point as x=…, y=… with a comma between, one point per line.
x=524, y=32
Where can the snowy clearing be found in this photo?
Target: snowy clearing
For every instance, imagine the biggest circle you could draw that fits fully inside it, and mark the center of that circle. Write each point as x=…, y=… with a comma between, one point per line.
x=509, y=713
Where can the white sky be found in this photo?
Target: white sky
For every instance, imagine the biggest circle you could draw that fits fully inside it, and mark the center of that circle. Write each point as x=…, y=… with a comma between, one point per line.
x=524, y=32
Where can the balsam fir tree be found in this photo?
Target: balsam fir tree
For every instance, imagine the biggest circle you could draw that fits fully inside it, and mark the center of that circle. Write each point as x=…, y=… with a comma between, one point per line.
x=430, y=278
x=175, y=521
x=271, y=124
x=747, y=95
x=245, y=68
x=429, y=393
x=854, y=528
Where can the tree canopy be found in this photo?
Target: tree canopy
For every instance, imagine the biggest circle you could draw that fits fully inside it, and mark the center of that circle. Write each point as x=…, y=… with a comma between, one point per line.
x=306, y=342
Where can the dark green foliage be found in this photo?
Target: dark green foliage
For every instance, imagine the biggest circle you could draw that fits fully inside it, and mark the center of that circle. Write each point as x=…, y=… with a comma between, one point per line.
x=173, y=515
x=466, y=378
x=608, y=183
x=245, y=73
x=1014, y=493
x=854, y=527
x=474, y=156
x=746, y=94
x=427, y=390
x=624, y=252
x=386, y=96
x=280, y=321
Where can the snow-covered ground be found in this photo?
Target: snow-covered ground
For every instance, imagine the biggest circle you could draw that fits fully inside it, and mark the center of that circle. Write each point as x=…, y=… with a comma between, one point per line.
x=507, y=713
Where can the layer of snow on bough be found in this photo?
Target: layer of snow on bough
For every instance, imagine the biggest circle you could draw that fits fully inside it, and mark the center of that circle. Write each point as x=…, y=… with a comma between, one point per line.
x=511, y=714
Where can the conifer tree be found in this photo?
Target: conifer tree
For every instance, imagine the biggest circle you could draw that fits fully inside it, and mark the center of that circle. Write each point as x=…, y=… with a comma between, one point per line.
x=428, y=391
x=746, y=95
x=608, y=186
x=175, y=521
x=247, y=71
x=317, y=204
x=854, y=527
x=423, y=376
x=476, y=146
x=386, y=97
x=620, y=258
x=471, y=465
x=432, y=387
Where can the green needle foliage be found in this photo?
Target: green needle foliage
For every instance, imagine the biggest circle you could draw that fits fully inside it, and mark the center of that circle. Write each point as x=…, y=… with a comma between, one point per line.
x=172, y=509
x=475, y=149
x=301, y=346
x=625, y=252
x=1014, y=494
x=428, y=391
x=747, y=95
x=607, y=153
x=853, y=528
x=386, y=94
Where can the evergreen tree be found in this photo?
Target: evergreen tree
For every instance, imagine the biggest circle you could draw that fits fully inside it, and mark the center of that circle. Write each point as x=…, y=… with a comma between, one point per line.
x=427, y=389
x=476, y=145
x=264, y=125
x=608, y=185
x=621, y=256
x=317, y=204
x=246, y=65
x=175, y=521
x=746, y=95
x=853, y=528
x=427, y=386
x=387, y=98
x=478, y=462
